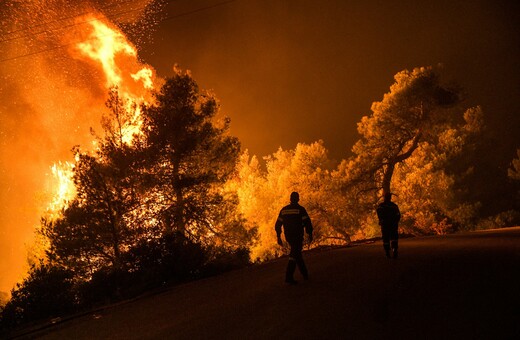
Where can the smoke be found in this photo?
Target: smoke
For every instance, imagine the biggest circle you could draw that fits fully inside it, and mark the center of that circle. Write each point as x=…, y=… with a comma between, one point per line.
x=49, y=100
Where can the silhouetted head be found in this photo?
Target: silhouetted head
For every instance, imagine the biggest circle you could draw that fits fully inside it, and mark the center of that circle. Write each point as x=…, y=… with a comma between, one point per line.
x=388, y=197
x=295, y=197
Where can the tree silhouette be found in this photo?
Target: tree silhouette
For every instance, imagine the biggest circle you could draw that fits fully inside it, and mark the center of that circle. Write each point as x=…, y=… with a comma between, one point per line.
x=45, y=292
x=420, y=141
x=103, y=220
x=432, y=183
x=414, y=110
x=187, y=156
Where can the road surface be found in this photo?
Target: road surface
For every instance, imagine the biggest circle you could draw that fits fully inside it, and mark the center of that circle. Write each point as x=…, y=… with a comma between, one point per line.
x=464, y=286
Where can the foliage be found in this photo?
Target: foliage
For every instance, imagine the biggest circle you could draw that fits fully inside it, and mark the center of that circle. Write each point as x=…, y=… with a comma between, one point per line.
x=262, y=193
x=4, y=297
x=431, y=183
x=52, y=291
x=419, y=142
x=222, y=258
x=514, y=171
x=187, y=157
x=417, y=139
x=103, y=220
x=168, y=177
x=508, y=218
x=149, y=264
x=414, y=110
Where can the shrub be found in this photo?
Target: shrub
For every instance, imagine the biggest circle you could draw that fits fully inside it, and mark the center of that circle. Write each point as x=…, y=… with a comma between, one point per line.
x=47, y=292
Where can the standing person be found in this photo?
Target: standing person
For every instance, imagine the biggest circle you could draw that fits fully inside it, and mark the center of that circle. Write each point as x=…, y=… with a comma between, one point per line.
x=389, y=216
x=294, y=219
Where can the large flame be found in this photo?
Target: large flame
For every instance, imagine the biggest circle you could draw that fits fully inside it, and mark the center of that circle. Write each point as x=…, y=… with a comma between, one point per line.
x=103, y=46
x=110, y=50
x=109, y=47
x=64, y=187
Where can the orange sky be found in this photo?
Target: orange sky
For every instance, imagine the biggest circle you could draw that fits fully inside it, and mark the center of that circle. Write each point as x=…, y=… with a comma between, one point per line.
x=285, y=71
x=307, y=70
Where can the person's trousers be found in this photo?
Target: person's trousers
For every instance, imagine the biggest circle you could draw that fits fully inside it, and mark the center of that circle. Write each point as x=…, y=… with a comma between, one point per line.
x=390, y=238
x=296, y=260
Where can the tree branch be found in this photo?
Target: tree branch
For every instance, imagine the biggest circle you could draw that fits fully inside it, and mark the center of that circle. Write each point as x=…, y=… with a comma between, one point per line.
x=415, y=144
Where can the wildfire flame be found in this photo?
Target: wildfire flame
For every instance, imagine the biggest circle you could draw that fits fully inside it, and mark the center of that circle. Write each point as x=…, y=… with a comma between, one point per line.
x=110, y=50
x=108, y=47
x=64, y=188
x=145, y=75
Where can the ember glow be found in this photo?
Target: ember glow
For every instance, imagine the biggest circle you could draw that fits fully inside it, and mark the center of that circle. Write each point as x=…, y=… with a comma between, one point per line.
x=58, y=96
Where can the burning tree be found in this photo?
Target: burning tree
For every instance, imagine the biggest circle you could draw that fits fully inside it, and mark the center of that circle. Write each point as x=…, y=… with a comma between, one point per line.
x=147, y=200
x=167, y=179
x=105, y=217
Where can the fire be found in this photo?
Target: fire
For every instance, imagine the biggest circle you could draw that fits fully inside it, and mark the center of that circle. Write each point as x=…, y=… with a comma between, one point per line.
x=145, y=75
x=110, y=50
x=65, y=191
x=118, y=58
x=103, y=46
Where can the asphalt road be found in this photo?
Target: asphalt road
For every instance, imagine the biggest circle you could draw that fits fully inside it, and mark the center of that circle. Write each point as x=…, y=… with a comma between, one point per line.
x=464, y=286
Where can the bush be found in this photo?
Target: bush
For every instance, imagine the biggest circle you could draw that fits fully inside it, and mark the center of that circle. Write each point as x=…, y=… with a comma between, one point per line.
x=508, y=218
x=47, y=292
x=171, y=257
x=223, y=259
x=149, y=264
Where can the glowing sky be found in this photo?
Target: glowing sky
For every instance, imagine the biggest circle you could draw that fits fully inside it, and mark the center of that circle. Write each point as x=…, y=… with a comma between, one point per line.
x=289, y=71
x=286, y=71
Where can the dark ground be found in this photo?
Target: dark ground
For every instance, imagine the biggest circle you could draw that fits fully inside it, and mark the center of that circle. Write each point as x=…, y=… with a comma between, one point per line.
x=464, y=286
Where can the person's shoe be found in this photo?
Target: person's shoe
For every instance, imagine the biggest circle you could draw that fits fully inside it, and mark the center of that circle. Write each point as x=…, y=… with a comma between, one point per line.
x=394, y=253
x=388, y=254
x=291, y=282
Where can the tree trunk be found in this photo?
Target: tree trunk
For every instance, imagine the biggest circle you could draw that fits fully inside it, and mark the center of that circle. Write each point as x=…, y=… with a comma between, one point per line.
x=179, y=211
x=390, y=167
x=115, y=244
x=387, y=178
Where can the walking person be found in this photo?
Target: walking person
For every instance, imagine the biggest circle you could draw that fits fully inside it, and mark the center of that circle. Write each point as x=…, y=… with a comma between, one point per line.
x=389, y=216
x=295, y=221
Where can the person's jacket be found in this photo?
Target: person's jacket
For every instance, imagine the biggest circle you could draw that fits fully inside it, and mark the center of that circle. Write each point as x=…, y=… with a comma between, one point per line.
x=388, y=214
x=295, y=220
